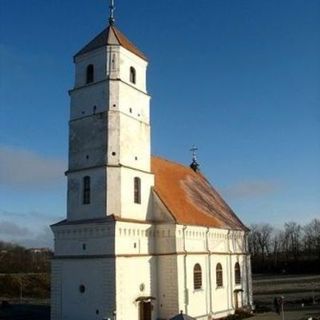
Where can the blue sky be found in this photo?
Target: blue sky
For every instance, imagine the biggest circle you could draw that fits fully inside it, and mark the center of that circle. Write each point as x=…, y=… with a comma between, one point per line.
x=240, y=79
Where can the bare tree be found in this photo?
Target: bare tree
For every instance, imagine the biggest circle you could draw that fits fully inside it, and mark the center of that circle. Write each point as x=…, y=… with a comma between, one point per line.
x=293, y=234
x=293, y=248
x=276, y=245
x=252, y=240
x=260, y=240
x=311, y=237
x=264, y=239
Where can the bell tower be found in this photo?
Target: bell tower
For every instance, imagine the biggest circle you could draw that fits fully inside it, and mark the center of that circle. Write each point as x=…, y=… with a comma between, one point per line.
x=109, y=130
x=109, y=178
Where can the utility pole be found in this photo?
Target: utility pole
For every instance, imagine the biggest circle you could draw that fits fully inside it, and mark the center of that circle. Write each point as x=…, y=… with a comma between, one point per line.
x=20, y=282
x=282, y=311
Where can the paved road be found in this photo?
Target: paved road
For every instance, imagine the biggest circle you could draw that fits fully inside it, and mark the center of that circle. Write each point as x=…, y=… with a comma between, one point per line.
x=265, y=278
x=302, y=314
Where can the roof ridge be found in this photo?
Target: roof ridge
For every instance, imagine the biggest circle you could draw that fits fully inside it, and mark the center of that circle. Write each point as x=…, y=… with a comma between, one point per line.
x=175, y=162
x=115, y=32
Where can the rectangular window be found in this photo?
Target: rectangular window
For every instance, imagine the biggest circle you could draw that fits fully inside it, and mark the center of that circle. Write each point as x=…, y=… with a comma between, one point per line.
x=86, y=190
x=132, y=75
x=137, y=190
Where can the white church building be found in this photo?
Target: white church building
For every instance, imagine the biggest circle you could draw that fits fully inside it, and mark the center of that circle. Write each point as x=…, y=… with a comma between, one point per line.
x=144, y=238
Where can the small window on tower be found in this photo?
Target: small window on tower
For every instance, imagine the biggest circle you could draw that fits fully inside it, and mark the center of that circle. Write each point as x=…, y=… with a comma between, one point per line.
x=90, y=73
x=137, y=190
x=86, y=190
x=132, y=75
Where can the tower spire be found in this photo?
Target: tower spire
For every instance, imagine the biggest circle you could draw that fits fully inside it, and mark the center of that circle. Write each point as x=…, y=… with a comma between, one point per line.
x=111, y=16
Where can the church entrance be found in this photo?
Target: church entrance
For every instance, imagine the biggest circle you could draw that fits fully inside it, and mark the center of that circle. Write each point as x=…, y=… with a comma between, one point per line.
x=145, y=310
x=237, y=298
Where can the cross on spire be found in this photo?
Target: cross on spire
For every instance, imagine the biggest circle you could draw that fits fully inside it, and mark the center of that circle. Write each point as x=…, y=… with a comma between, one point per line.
x=194, y=164
x=194, y=150
x=112, y=8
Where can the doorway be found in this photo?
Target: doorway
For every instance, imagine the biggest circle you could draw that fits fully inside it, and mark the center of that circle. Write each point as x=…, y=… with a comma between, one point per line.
x=236, y=300
x=145, y=310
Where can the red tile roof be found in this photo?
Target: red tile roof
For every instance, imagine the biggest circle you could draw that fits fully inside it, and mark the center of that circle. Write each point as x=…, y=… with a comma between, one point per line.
x=190, y=198
x=111, y=36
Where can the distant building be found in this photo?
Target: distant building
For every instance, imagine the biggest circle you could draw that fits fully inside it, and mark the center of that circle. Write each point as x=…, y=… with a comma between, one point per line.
x=144, y=237
x=45, y=251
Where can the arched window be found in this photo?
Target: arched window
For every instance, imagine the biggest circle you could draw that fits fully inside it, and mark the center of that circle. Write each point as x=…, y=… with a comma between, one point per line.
x=197, y=276
x=90, y=73
x=132, y=75
x=86, y=190
x=219, y=275
x=237, y=273
x=137, y=190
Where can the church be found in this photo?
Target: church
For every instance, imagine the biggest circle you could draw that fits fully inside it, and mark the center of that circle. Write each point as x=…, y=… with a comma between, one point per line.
x=145, y=238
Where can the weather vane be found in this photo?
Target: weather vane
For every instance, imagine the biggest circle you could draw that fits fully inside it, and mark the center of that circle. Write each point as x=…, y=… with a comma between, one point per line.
x=112, y=8
x=194, y=164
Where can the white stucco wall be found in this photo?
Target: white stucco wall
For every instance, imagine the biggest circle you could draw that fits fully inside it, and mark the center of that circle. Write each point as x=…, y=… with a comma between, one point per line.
x=168, y=289
x=120, y=193
x=76, y=210
x=148, y=264
x=84, y=254
x=88, y=142
x=91, y=98
x=134, y=238
x=98, y=300
x=135, y=100
x=130, y=209
x=134, y=152
x=85, y=239
x=128, y=127
x=221, y=295
x=198, y=304
x=135, y=277
x=128, y=141
x=209, y=246
x=98, y=59
x=129, y=59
